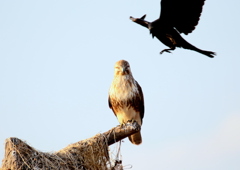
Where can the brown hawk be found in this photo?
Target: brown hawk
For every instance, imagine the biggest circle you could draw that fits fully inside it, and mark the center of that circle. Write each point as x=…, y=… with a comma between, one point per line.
x=126, y=98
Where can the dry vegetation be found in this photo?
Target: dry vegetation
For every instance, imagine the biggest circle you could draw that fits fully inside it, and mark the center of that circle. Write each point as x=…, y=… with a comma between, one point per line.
x=88, y=154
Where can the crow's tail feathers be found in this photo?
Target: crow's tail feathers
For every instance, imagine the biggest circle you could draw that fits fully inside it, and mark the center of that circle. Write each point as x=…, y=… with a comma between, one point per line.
x=207, y=53
x=189, y=46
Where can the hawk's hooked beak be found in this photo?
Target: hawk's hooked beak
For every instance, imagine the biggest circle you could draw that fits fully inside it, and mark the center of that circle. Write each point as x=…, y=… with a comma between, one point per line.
x=124, y=69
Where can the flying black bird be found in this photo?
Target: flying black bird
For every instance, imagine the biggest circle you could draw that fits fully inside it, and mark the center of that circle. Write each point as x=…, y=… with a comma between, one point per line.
x=176, y=17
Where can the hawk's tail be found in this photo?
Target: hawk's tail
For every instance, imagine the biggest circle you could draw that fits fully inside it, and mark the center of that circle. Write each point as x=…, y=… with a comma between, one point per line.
x=136, y=138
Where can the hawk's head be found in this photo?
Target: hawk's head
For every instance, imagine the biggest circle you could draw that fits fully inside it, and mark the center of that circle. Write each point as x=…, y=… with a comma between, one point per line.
x=122, y=67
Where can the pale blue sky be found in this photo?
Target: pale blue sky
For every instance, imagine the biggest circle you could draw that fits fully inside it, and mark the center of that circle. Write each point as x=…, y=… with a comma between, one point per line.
x=56, y=66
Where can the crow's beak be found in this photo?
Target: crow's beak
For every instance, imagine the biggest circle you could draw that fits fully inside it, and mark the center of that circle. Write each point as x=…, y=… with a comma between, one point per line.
x=140, y=21
x=133, y=19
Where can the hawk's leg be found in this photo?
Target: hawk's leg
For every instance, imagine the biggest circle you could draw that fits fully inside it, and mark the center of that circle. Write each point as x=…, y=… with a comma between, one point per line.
x=131, y=121
x=122, y=124
x=168, y=50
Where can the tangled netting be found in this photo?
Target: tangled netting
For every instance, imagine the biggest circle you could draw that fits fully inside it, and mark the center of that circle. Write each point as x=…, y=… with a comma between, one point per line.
x=89, y=154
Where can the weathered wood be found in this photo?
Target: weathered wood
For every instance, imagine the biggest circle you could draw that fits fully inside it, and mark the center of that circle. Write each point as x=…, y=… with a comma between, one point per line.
x=91, y=153
x=120, y=132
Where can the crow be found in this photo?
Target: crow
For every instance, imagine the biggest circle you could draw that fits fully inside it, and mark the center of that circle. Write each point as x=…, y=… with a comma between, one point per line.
x=176, y=17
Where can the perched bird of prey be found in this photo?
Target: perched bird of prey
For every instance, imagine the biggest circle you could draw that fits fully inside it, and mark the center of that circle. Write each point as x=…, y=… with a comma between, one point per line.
x=126, y=98
x=176, y=17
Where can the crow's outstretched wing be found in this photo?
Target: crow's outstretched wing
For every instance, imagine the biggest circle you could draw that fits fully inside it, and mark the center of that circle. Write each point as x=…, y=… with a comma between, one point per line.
x=181, y=14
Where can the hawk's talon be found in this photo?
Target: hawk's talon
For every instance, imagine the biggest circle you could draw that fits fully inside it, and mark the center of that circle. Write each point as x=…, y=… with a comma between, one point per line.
x=131, y=121
x=122, y=125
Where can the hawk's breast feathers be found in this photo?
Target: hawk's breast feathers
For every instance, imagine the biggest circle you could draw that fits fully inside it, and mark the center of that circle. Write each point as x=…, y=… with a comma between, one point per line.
x=124, y=94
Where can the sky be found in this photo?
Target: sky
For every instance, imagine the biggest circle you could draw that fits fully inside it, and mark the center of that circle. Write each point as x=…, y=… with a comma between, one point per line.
x=56, y=67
